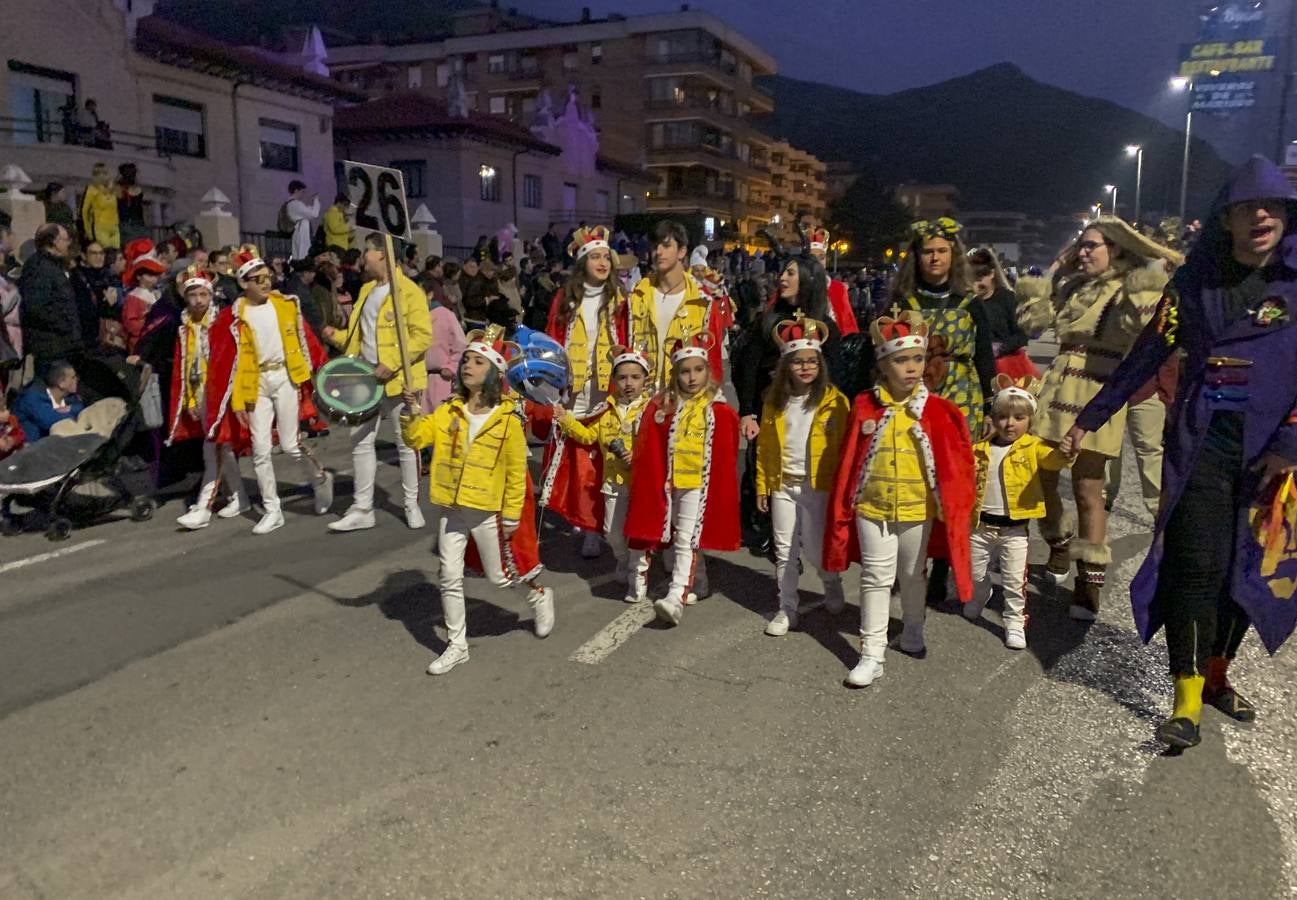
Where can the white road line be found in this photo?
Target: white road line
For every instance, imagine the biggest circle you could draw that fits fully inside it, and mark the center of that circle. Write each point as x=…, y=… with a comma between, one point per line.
x=614, y=634
x=53, y=554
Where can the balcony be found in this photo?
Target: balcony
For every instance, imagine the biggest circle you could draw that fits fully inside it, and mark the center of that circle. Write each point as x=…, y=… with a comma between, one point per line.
x=39, y=150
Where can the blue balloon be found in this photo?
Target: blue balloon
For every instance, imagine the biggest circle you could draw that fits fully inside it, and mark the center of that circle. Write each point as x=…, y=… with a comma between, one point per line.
x=541, y=373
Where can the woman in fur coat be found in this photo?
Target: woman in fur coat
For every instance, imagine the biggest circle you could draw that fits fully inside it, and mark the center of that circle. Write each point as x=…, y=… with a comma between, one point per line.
x=1102, y=293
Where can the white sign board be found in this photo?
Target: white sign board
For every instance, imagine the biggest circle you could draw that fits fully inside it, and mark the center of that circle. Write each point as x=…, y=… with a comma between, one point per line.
x=378, y=194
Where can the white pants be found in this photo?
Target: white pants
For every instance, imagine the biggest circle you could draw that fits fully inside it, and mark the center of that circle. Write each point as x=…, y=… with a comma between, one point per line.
x=686, y=564
x=890, y=552
x=455, y=527
x=1005, y=546
x=616, y=500
x=1144, y=425
x=797, y=528
x=276, y=406
x=219, y=464
x=364, y=457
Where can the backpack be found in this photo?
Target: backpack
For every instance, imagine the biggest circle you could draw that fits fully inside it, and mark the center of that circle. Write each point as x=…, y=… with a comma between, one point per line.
x=283, y=222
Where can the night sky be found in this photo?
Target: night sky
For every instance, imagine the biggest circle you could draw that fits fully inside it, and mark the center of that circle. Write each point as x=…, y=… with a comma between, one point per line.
x=1121, y=50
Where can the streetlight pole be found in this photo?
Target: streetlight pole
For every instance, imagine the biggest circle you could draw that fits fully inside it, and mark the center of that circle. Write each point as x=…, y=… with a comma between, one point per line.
x=1112, y=189
x=1180, y=83
x=1137, y=151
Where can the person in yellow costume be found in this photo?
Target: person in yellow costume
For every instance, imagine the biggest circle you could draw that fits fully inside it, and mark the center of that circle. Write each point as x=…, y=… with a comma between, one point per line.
x=99, y=209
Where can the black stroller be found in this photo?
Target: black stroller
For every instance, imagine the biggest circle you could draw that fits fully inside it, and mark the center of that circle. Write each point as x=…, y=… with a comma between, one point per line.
x=64, y=480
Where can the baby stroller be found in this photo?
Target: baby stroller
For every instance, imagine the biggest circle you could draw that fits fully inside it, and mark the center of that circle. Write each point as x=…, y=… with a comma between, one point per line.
x=81, y=471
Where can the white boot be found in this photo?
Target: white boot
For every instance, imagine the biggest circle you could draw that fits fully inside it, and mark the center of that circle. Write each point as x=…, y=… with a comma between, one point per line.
x=414, y=517
x=237, y=506
x=781, y=623
x=1015, y=635
x=324, y=493
x=449, y=658
x=866, y=672
x=542, y=604
x=354, y=520
x=669, y=610
x=196, y=518
x=271, y=521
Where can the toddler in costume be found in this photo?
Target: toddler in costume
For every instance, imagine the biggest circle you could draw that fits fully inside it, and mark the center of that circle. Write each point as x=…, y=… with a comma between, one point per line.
x=903, y=493
x=684, y=490
x=611, y=428
x=1009, y=496
x=802, y=424
x=480, y=487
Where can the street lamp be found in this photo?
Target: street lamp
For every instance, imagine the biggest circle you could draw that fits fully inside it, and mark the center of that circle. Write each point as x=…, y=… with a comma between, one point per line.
x=1137, y=151
x=1112, y=189
x=1180, y=83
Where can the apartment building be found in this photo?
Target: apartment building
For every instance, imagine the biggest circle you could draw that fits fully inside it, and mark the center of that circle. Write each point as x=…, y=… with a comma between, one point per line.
x=673, y=92
x=191, y=112
x=797, y=185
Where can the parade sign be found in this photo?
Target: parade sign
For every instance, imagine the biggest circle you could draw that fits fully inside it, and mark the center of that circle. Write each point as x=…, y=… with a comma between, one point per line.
x=378, y=194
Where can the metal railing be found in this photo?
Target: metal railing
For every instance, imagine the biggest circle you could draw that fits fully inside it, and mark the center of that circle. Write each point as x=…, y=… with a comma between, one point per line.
x=271, y=244
x=38, y=131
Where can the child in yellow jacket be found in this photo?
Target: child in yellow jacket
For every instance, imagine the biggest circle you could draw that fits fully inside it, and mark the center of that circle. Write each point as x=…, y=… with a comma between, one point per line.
x=1009, y=496
x=803, y=421
x=613, y=431
x=480, y=487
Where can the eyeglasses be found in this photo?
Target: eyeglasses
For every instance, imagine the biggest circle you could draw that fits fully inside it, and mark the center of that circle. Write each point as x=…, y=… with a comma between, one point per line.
x=263, y=278
x=1091, y=246
x=804, y=363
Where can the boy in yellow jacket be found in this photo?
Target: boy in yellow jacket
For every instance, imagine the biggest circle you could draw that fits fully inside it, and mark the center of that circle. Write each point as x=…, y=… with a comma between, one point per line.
x=373, y=335
x=1009, y=495
x=480, y=487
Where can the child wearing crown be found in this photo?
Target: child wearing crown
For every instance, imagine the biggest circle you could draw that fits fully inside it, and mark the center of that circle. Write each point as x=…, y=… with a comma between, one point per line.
x=480, y=487
x=189, y=403
x=684, y=492
x=802, y=425
x=903, y=493
x=610, y=430
x=1009, y=496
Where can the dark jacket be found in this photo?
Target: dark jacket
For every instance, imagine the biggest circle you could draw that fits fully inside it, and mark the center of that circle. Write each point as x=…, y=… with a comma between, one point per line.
x=754, y=365
x=36, y=413
x=50, y=315
x=1001, y=310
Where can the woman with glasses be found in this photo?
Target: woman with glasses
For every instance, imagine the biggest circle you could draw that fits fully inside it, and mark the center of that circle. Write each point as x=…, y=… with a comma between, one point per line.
x=1103, y=291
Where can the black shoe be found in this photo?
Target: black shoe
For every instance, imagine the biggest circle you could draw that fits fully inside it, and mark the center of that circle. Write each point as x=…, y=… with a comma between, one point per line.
x=1231, y=703
x=1179, y=733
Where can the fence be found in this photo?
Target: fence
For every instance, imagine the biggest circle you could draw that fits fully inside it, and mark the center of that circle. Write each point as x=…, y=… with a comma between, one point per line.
x=271, y=244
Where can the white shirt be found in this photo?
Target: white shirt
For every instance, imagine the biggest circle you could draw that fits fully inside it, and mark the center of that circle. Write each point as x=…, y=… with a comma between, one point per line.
x=993, y=500
x=301, y=214
x=667, y=305
x=264, y=322
x=798, y=417
x=589, y=310
x=369, y=321
x=475, y=423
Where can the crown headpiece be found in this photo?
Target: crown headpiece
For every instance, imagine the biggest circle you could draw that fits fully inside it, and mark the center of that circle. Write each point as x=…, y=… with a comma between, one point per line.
x=820, y=239
x=194, y=277
x=247, y=261
x=620, y=354
x=908, y=331
x=584, y=240
x=1023, y=388
x=491, y=344
x=800, y=333
x=692, y=345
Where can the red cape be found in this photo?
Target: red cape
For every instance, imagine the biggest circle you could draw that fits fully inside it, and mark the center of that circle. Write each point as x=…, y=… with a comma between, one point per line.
x=646, y=519
x=952, y=452
x=520, y=555
x=573, y=478
x=840, y=305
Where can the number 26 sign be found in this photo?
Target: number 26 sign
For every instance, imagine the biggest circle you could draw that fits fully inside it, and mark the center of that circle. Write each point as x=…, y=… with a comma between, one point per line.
x=379, y=197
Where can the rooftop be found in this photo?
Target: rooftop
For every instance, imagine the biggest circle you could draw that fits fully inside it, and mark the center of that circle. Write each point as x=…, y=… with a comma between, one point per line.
x=413, y=113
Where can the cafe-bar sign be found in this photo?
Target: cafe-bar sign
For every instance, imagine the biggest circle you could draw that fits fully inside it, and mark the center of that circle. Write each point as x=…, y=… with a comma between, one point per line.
x=1230, y=57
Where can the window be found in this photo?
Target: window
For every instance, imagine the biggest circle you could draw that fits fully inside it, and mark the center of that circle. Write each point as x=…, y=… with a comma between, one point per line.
x=596, y=99
x=495, y=64
x=596, y=54
x=278, y=145
x=443, y=75
x=570, y=60
x=601, y=203
x=489, y=183
x=532, y=193
x=497, y=106
x=38, y=97
x=413, y=173
x=178, y=126
x=414, y=77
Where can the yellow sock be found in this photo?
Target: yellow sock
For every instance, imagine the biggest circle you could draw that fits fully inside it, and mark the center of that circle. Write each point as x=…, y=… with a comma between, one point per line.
x=1188, y=698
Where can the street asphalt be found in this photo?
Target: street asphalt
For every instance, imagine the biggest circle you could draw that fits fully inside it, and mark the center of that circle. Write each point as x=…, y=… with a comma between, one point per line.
x=213, y=715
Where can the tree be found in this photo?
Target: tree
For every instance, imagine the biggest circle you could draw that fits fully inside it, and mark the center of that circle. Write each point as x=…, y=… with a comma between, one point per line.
x=869, y=217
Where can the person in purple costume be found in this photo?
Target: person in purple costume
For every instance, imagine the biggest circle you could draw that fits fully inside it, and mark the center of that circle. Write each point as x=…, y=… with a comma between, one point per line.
x=1230, y=437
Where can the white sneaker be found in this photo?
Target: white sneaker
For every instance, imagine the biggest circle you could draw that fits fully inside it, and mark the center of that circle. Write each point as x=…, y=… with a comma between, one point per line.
x=781, y=623
x=669, y=610
x=354, y=520
x=591, y=545
x=542, y=604
x=271, y=521
x=911, y=639
x=236, y=507
x=324, y=493
x=196, y=518
x=866, y=672
x=449, y=658
x=835, y=600
x=632, y=597
x=972, y=610
x=414, y=517
x=1015, y=636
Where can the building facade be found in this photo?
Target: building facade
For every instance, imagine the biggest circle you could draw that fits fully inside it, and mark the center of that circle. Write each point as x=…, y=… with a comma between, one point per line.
x=673, y=92
x=190, y=112
x=928, y=201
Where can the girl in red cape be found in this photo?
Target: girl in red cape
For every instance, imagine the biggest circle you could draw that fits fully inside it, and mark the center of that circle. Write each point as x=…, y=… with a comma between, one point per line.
x=904, y=493
x=684, y=484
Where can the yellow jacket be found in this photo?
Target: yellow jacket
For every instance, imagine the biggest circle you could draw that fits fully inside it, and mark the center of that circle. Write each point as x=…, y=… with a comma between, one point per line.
x=896, y=485
x=691, y=441
x=337, y=230
x=99, y=216
x=613, y=424
x=418, y=332
x=491, y=474
x=1023, y=493
x=691, y=316
x=827, y=430
x=247, y=372
x=578, y=348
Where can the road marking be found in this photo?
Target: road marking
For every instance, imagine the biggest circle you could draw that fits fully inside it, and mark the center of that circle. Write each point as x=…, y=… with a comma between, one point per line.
x=614, y=634
x=53, y=554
